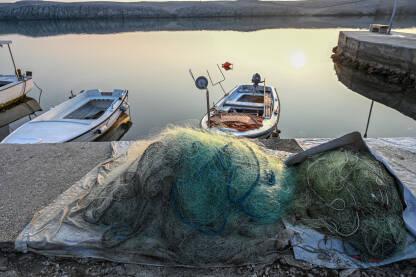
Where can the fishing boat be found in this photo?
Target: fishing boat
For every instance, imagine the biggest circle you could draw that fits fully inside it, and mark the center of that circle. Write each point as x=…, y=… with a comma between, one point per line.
x=250, y=111
x=15, y=86
x=84, y=117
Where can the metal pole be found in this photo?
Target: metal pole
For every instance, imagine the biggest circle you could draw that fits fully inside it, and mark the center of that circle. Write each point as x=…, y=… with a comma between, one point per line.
x=208, y=112
x=392, y=17
x=368, y=121
x=11, y=55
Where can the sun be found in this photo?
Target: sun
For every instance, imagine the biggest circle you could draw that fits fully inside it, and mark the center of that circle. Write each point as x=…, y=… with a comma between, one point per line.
x=298, y=59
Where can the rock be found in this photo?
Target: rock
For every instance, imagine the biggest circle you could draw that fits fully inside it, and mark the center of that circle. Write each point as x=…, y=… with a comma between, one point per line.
x=132, y=269
x=120, y=270
x=283, y=239
x=347, y=272
x=3, y=263
x=10, y=273
x=290, y=260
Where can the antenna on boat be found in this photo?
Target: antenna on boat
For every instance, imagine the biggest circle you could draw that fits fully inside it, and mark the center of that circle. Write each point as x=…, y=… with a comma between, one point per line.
x=220, y=81
x=202, y=83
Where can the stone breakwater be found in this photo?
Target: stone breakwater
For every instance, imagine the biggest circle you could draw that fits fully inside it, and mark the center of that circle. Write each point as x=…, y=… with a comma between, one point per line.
x=390, y=57
x=44, y=10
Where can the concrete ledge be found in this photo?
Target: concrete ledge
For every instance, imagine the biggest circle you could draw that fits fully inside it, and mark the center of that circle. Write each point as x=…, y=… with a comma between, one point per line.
x=32, y=176
x=375, y=53
x=33, y=10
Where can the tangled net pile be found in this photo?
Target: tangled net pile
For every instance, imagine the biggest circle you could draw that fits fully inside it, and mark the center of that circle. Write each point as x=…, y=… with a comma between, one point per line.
x=351, y=195
x=221, y=178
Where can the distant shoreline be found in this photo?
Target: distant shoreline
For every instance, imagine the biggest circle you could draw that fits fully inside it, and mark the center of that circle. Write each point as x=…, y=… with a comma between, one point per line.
x=44, y=10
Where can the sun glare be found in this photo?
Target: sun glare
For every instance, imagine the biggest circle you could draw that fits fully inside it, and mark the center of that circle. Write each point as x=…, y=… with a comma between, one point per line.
x=298, y=59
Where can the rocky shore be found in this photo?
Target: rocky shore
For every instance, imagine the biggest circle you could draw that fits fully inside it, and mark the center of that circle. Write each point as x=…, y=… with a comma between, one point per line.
x=45, y=10
x=14, y=264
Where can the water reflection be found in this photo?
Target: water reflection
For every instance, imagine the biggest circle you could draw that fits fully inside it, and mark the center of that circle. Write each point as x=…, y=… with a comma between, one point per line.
x=298, y=59
x=25, y=107
x=153, y=66
x=51, y=28
x=374, y=88
x=118, y=130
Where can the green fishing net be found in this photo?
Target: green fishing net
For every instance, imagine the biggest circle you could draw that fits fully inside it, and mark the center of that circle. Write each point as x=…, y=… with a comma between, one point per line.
x=219, y=178
x=351, y=195
x=197, y=198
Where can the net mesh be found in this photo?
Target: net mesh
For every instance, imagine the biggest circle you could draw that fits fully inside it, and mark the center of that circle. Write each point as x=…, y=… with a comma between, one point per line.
x=206, y=198
x=351, y=195
x=220, y=177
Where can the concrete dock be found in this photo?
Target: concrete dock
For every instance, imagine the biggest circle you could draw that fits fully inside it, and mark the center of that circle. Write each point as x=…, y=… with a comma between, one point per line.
x=32, y=176
x=391, y=55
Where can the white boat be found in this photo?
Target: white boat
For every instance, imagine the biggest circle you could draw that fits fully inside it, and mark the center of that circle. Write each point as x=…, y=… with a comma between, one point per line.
x=84, y=117
x=13, y=87
x=250, y=111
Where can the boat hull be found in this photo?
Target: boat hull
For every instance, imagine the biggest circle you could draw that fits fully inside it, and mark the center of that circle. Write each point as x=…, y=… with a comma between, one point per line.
x=13, y=92
x=82, y=118
x=100, y=130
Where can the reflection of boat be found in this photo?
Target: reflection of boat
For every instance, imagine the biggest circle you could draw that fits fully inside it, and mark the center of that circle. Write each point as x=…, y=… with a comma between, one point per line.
x=13, y=87
x=248, y=110
x=118, y=130
x=83, y=118
x=25, y=107
x=392, y=95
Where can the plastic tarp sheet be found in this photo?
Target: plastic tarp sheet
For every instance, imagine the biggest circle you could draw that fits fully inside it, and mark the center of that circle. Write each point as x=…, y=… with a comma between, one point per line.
x=60, y=229
x=398, y=155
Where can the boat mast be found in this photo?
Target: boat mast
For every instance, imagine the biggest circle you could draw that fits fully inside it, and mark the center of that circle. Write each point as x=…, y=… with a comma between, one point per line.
x=11, y=55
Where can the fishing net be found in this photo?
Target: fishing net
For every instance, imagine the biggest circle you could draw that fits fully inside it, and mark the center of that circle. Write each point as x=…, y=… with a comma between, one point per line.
x=203, y=197
x=350, y=195
x=238, y=121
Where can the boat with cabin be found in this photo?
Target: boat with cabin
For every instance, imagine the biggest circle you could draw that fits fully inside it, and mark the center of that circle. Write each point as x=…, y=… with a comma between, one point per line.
x=15, y=86
x=85, y=117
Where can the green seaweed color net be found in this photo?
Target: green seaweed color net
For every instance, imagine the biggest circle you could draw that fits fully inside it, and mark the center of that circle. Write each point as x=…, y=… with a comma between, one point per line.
x=352, y=196
x=219, y=178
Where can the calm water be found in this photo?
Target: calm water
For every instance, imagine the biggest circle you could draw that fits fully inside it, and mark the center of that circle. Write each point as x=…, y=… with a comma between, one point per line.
x=153, y=66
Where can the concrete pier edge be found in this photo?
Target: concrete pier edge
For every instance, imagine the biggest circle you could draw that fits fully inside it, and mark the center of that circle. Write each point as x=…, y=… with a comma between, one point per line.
x=390, y=56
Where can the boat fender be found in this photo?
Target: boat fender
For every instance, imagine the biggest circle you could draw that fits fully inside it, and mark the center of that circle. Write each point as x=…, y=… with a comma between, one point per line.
x=227, y=66
x=102, y=129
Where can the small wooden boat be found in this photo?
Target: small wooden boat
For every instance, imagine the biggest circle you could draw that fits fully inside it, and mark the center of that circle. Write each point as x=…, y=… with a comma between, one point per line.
x=84, y=117
x=250, y=111
x=13, y=87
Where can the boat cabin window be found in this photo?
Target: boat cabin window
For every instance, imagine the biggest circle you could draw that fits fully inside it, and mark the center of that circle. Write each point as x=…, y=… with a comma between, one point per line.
x=93, y=109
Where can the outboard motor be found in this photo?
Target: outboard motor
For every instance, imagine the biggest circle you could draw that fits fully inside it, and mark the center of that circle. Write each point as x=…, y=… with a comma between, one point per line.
x=256, y=79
